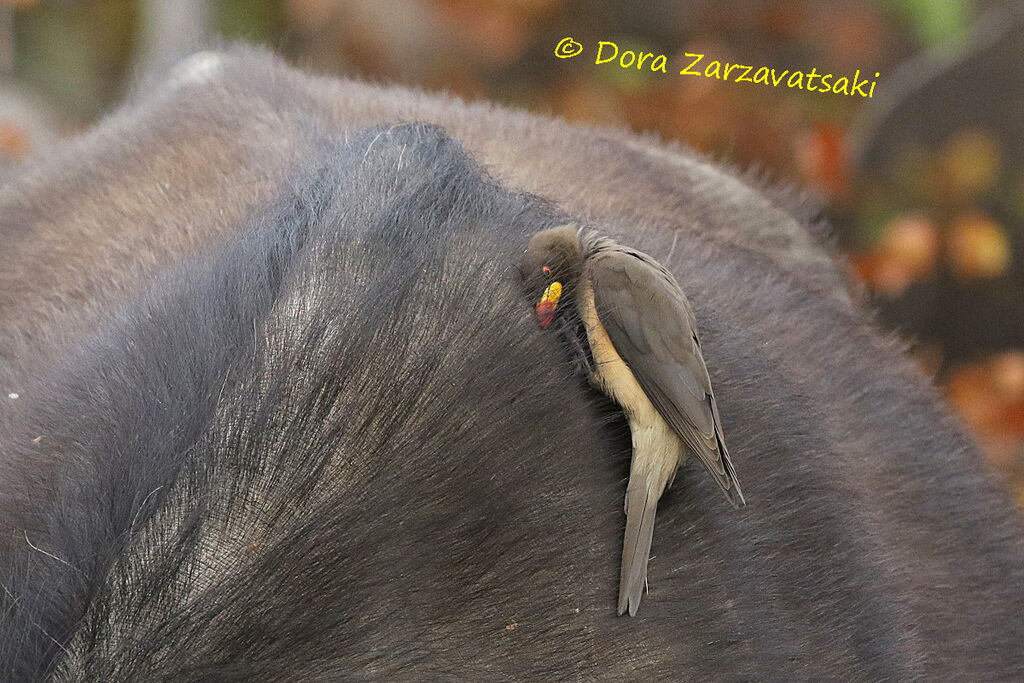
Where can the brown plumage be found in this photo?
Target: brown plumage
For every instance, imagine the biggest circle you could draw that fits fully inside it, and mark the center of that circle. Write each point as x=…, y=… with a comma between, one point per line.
x=646, y=356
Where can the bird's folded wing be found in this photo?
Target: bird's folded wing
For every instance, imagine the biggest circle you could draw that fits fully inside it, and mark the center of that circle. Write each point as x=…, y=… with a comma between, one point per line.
x=651, y=325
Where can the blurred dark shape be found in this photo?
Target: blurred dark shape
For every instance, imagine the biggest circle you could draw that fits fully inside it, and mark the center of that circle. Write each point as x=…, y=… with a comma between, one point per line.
x=978, y=83
x=947, y=134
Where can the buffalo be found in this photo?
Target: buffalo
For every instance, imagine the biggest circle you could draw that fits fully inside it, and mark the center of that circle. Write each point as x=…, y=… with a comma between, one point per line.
x=274, y=406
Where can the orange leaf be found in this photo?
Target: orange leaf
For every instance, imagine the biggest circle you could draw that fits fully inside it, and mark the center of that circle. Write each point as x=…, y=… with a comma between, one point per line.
x=822, y=156
x=913, y=241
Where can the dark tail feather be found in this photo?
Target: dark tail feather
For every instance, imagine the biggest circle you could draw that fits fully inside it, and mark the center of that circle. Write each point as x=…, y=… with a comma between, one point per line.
x=729, y=483
x=641, y=508
x=733, y=493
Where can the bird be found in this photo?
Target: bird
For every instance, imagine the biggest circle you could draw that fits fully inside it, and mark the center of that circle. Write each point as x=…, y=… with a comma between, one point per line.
x=630, y=327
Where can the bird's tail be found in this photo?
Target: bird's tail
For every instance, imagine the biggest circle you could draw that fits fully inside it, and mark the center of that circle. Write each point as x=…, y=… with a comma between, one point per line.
x=641, y=508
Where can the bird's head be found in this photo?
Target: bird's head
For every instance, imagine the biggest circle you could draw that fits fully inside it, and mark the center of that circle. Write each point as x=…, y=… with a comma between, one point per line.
x=551, y=267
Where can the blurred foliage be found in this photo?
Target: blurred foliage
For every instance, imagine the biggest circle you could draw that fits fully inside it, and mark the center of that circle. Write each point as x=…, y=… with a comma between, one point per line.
x=935, y=232
x=254, y=20
x=936, y=21
x=75, y=53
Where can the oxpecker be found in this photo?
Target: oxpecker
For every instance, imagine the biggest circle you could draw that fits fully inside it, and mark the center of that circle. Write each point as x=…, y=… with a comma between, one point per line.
x=631, y=328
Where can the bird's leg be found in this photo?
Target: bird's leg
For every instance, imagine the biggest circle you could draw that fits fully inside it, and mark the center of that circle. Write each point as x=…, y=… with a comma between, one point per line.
x=582, y=351
x=581, y=360
x=574, y=333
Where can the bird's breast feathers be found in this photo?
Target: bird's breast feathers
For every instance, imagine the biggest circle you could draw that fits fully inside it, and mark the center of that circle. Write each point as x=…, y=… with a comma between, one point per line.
x=611, y=372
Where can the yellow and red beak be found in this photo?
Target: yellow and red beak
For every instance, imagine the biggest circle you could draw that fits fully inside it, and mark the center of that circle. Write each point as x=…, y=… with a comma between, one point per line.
x=548, y=303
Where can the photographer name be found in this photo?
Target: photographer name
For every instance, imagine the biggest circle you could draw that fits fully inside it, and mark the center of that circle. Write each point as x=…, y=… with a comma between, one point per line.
x=811, y=81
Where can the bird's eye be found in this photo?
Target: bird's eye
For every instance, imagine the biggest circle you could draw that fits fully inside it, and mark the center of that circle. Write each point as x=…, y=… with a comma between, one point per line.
x=546, y=270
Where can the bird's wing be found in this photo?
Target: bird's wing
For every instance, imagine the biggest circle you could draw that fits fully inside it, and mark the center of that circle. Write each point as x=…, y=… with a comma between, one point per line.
x=652, y=327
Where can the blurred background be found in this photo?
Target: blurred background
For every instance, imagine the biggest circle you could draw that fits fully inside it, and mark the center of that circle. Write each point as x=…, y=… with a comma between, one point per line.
x=924, y=182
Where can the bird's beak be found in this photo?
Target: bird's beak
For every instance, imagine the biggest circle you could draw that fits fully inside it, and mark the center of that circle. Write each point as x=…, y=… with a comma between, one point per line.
x=547, y=304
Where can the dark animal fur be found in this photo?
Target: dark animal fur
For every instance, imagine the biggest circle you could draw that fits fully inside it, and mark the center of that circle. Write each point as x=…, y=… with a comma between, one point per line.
x=329, y=441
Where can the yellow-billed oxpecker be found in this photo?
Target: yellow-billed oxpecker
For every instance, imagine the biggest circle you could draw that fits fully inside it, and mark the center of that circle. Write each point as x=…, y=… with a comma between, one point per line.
x=630, y=325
